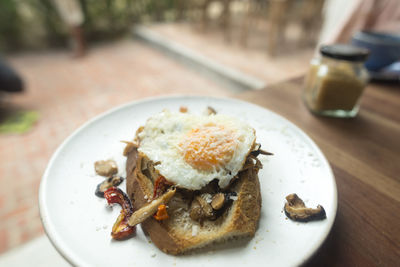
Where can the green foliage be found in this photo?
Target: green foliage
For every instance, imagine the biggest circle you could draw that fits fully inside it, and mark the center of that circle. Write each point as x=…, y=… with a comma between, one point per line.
x=9, y=24
x=36, y=23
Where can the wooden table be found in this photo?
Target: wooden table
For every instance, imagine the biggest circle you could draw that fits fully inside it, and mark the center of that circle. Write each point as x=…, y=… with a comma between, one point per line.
x=364, y=153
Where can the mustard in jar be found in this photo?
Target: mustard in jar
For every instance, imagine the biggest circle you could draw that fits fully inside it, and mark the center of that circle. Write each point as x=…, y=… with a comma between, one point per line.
x=336, y=80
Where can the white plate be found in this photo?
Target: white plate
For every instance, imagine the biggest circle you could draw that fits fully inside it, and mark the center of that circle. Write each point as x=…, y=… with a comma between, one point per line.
x=79, y=224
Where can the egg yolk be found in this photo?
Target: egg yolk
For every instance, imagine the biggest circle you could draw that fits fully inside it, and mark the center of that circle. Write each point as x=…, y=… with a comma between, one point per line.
x=208, y=147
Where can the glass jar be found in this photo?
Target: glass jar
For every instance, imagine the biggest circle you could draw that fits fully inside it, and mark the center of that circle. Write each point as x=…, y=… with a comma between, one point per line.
x=336, y=80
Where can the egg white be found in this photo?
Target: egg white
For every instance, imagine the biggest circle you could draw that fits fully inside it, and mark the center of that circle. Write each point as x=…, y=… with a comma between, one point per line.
x=163, y=133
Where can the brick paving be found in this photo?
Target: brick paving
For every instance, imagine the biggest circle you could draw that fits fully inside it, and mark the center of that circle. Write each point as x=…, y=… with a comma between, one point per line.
x=66, y=92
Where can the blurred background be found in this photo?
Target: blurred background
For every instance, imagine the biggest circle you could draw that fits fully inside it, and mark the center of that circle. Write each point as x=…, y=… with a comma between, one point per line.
x=65, y=61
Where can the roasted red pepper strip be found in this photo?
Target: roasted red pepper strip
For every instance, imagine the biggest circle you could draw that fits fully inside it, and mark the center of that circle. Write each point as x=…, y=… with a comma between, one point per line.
x=161, y=213
x=160, y=186
x=121, y=229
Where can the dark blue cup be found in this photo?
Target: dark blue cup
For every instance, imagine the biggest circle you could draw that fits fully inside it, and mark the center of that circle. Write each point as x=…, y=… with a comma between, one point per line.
x=384, y=48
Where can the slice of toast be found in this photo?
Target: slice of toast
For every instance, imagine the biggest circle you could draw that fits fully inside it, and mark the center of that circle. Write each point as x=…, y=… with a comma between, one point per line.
x=180, y=233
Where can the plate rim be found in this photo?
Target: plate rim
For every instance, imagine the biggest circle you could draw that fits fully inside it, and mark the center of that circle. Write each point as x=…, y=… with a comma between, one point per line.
x=76, y=261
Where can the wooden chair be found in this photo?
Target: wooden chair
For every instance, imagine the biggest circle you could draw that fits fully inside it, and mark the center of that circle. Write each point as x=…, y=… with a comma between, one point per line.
x=203, y=7
x=310, y=19
x=274, y=12
x=278, y=14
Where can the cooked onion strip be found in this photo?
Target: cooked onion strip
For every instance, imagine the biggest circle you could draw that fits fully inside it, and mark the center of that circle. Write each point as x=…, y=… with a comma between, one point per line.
x=145, y=212
x=129, y=147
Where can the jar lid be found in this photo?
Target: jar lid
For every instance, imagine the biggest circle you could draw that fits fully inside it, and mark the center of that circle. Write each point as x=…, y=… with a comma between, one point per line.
x=345, y=52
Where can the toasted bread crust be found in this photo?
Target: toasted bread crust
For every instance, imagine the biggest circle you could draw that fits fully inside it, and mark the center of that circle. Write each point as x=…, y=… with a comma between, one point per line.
x=240, y=220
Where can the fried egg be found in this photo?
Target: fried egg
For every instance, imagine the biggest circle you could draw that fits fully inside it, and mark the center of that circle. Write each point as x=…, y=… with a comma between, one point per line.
x=192, y=150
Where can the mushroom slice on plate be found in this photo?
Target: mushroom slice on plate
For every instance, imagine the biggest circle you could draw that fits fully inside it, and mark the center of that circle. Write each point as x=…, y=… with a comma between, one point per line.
x=296, y=210
x=107, y=183
x=106, y=167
